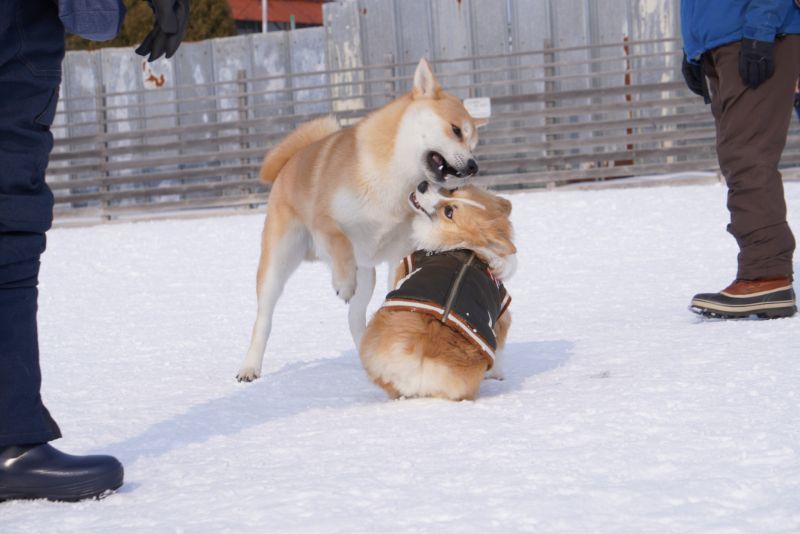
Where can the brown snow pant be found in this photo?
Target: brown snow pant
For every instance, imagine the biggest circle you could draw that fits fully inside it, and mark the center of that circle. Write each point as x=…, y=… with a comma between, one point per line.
x=751, y=133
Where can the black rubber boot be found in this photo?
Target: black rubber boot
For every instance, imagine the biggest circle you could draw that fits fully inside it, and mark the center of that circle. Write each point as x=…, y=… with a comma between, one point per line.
x=43, y=472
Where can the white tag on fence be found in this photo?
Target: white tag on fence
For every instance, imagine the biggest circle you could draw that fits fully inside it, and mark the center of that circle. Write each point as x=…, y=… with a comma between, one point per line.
x=479, y=108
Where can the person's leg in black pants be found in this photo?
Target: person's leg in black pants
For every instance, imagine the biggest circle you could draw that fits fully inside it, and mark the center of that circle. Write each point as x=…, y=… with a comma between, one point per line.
x=31, y=52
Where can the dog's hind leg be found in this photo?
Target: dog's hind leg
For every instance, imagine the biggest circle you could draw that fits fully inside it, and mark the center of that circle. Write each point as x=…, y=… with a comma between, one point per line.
x=285, y=243
x=357, y=313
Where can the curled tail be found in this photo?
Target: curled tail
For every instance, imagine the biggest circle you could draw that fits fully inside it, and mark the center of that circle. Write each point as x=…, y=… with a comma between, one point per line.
x=303, y=136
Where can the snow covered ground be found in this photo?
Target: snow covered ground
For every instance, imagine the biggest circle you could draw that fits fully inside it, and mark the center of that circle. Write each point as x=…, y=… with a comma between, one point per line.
x=621, y=412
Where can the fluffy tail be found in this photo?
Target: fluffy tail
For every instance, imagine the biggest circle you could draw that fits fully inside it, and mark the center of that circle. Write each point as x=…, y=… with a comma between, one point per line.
x=303, y=136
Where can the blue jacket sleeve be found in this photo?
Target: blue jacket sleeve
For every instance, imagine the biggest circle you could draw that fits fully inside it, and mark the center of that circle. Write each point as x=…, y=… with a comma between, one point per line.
x=764, y=17
x=97, y=20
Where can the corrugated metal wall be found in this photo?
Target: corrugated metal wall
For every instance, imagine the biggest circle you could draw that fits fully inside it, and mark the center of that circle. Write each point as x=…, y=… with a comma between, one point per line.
x=121, y=117
x=356, y=33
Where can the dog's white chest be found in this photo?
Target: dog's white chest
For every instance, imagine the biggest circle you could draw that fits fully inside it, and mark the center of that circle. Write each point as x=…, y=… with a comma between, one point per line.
x=377, y=233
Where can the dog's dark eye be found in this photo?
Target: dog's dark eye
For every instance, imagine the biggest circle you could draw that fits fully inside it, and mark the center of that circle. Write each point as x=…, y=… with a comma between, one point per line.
x=456, y=130
x=448, y=212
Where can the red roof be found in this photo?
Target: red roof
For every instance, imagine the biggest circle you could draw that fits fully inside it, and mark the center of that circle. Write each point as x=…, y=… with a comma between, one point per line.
x=304, y=11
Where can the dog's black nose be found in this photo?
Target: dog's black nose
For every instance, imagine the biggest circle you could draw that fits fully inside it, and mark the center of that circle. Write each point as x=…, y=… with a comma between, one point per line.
x=422, y=187
x=472, y=167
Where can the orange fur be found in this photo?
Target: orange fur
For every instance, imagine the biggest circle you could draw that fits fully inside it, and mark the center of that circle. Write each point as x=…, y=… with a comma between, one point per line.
x=425, y=341
x=303, y=136
x=412, y=354
x=341, y=195
x=473, y=227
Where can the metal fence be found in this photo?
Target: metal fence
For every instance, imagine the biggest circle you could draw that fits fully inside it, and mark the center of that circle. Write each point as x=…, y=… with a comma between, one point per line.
x=560, y=116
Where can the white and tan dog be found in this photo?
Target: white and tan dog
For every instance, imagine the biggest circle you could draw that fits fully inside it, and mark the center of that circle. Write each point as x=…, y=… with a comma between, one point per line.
x=340, y=195
x=445, y=323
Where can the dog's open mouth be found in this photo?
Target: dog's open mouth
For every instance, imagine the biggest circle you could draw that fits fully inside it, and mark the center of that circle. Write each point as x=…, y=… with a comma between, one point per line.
x=412, y=199
x=415, y=204
x=440, y=168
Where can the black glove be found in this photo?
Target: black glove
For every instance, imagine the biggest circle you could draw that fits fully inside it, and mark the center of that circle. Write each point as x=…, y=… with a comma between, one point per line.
x=695, y=79
x=693, y=75
x=756, y=62
x=170, y=19
x=797, y=105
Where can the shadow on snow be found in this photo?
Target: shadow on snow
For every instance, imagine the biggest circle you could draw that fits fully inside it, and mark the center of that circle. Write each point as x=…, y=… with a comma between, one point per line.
x=300, y=387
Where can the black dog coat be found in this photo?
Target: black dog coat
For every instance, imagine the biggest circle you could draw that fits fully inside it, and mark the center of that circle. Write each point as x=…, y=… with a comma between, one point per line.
x=458, y=289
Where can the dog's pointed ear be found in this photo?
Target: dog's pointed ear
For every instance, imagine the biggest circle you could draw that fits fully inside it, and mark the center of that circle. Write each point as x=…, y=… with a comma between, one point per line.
x=480, y=123
x=500, y=244
x=425, y=83
x=504, y=205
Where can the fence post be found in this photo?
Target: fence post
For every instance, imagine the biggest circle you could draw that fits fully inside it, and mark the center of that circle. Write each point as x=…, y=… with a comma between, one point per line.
x=389, y=83
x=628, y=82
x=244, y=131
x=101, y=103
x=549, y=58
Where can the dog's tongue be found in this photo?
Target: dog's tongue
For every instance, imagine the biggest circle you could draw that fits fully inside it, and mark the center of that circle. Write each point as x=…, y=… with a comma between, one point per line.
x=438, y=159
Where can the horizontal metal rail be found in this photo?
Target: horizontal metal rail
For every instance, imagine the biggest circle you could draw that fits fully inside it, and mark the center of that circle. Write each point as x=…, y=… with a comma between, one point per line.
x=557, y=120
x=434, y=63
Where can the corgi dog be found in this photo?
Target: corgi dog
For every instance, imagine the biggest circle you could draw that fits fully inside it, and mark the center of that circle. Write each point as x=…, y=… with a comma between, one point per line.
x=445, y=324
x=339, y=194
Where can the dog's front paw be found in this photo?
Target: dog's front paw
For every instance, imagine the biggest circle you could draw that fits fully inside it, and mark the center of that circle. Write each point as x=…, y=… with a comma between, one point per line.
x=495, y=373
x=247, y=374
x=345, y=286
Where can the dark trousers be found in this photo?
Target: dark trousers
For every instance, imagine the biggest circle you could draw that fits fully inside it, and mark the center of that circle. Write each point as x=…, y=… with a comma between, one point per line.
x=31, y=51
x=752, y=126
